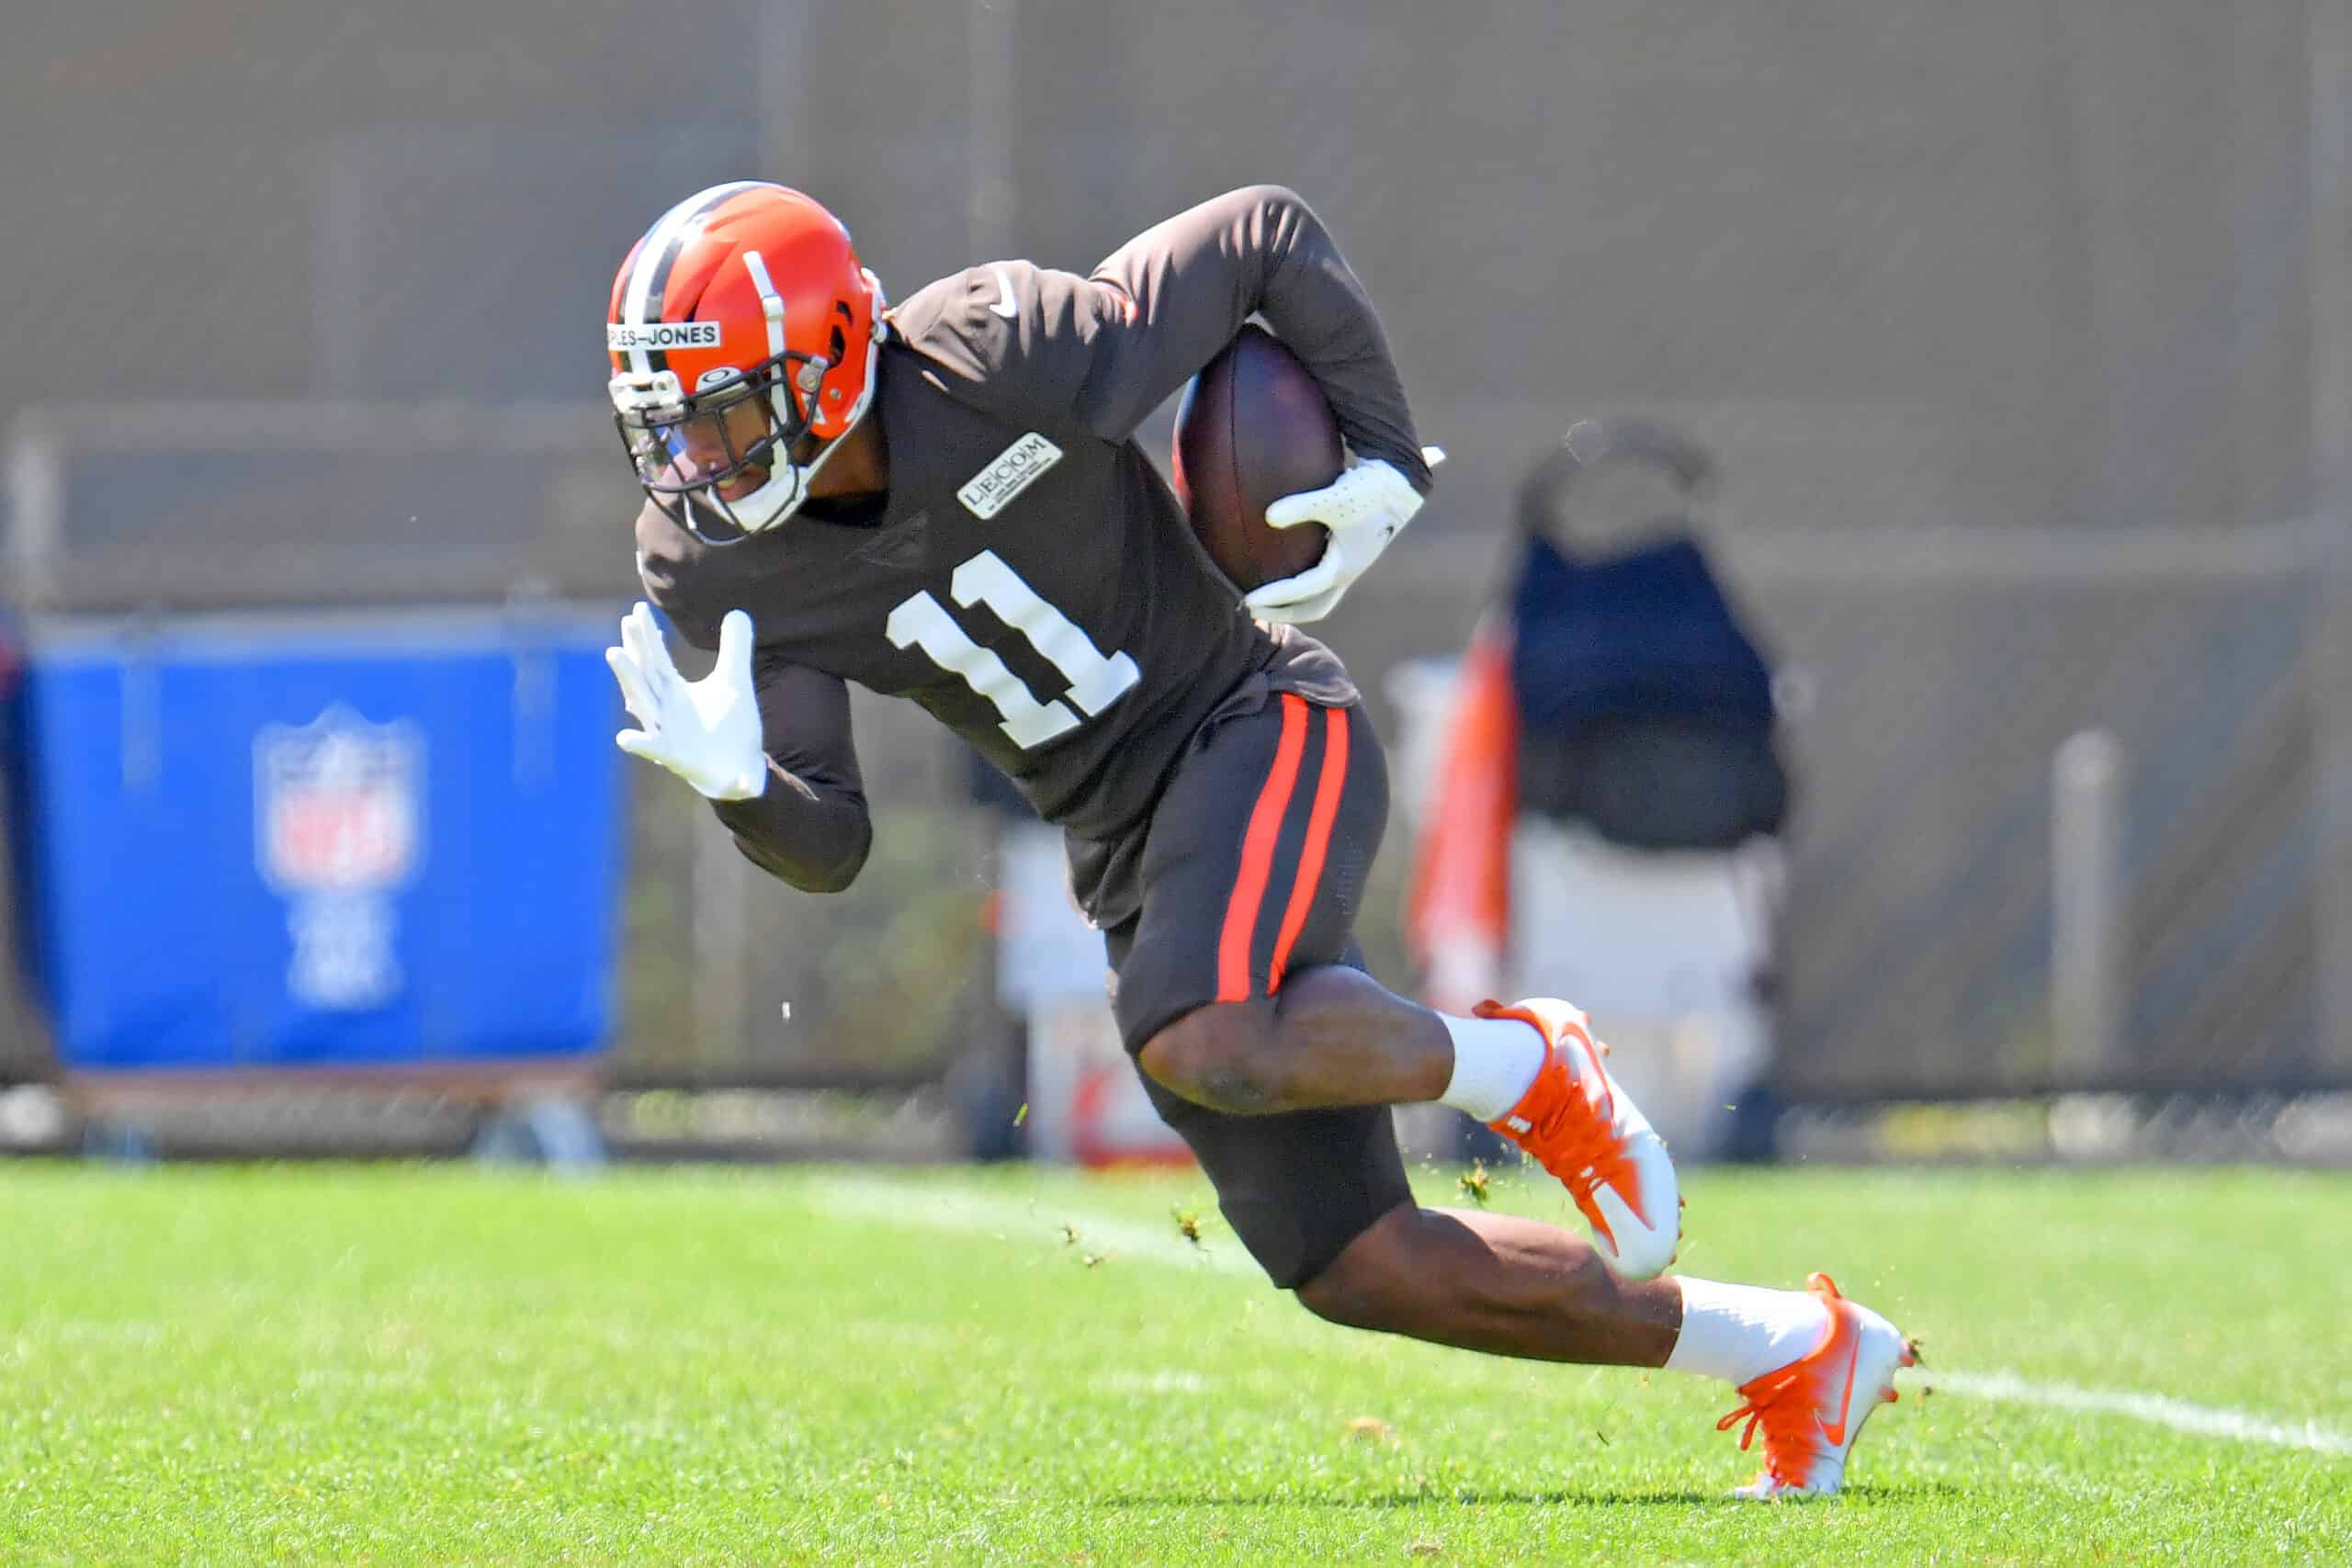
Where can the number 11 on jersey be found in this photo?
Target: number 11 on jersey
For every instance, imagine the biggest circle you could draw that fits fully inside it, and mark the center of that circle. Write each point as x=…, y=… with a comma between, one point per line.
x=1095, y=680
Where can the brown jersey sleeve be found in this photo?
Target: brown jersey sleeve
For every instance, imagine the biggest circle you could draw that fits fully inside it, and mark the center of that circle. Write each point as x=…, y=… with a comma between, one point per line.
x=1102, y=352
x=810, y=828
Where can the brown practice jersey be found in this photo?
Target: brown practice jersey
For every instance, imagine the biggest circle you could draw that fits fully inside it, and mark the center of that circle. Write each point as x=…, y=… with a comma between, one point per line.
x=1029, y=578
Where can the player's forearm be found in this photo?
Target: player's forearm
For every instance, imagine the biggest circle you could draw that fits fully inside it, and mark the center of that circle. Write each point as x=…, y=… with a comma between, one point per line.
x=812, y=837
x=1315, y=305
x=1188, y=284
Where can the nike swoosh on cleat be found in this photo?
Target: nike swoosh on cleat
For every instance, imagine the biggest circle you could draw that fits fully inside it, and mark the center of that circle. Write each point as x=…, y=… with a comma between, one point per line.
x=1836, y=1434
x=1003, y=306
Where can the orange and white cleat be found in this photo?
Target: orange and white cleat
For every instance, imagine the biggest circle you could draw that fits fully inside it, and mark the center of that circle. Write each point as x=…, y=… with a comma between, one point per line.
x=1813, y=1409
x=1576, y=1124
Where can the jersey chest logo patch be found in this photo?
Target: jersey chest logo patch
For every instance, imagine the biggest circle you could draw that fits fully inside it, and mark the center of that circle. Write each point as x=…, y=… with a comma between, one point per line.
x=1015, y=469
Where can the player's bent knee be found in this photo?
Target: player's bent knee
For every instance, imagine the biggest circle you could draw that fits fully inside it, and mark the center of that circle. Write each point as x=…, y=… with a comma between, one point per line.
x=1223, y=1056
x=1336, y=1297
x=1365, y=1285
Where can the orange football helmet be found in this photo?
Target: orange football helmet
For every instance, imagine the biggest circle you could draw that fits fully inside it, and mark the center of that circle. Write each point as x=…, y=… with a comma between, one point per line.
x=745, y=291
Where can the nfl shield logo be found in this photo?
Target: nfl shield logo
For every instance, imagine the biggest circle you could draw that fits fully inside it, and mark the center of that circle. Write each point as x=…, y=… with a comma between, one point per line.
x=336, y=803
x=336, y=829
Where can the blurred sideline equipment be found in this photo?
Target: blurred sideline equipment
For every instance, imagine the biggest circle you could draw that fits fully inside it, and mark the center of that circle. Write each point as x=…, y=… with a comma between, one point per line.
x=283, y=854
x=382, y=872
x=23, y=1050
x=1086, y=1106
x=1607, y=793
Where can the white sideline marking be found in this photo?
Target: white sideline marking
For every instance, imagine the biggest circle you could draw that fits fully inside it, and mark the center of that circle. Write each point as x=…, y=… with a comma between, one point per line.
x=887, y=1200
x=1149, y=1383
x=2197, y=1420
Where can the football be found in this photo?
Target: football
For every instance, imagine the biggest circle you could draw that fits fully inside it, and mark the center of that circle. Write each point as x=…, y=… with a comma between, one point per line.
x=1253, y=427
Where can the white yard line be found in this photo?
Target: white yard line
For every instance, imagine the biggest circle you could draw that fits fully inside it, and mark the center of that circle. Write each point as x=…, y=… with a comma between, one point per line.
x=1041, y=1220
x=2179, y=1414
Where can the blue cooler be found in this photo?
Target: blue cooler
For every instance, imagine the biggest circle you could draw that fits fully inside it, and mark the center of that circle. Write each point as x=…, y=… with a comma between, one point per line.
x=359, y=841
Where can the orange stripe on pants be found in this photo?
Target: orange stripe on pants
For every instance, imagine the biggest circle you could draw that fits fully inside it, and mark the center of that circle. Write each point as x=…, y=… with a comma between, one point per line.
x=1258, y=855
x=1328, y=785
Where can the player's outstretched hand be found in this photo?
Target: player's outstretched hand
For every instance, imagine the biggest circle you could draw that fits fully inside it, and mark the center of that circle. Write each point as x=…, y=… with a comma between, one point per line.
x=1365, y=508
x=706, y=731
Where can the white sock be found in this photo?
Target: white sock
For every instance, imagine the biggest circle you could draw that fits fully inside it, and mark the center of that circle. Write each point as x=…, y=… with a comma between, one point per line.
x=1740, y=1332
x=1494, y=1061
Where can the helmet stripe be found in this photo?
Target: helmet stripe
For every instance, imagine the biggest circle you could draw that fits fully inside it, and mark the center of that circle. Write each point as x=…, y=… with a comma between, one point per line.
x=657, y=254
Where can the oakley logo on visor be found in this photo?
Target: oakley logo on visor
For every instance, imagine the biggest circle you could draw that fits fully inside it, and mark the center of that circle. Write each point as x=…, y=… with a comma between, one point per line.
x=620, y=337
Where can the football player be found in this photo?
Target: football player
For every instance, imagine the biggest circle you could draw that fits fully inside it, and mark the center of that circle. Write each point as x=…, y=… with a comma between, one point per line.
x=944, y=500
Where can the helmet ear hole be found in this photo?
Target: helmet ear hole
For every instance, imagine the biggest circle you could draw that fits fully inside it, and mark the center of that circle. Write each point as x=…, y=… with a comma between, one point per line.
x=840, y=346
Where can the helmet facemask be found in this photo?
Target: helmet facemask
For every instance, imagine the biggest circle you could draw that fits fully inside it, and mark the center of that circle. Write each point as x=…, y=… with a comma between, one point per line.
x=654, y=414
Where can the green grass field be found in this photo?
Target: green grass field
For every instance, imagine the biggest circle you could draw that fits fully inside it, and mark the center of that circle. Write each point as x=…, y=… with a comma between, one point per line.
x=399, y=1364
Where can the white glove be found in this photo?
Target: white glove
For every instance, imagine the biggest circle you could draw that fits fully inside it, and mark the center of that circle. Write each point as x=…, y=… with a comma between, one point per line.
x=706, y=731
x=1363, y=509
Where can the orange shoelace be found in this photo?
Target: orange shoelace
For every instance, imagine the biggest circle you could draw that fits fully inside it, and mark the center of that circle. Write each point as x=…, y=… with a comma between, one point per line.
x=1575, y=1141
x=1788, y=1423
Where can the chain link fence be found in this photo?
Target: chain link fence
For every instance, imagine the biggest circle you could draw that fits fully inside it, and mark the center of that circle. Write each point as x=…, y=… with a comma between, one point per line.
x=2017, y=328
